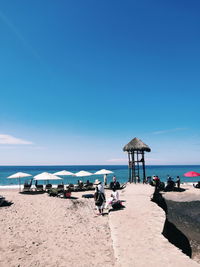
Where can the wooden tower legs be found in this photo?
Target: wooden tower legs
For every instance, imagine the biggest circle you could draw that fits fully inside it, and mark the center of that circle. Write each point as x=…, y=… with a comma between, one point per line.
x=134, y=160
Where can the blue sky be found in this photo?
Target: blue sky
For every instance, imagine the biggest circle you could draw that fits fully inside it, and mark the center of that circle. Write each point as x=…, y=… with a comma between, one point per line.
x=80, y=79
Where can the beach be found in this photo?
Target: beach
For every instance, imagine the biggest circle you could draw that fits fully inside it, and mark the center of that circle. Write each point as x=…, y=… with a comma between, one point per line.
x=39, y=230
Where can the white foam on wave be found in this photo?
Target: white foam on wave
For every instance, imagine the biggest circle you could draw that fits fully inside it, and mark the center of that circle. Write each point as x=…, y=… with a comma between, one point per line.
x=9, y=186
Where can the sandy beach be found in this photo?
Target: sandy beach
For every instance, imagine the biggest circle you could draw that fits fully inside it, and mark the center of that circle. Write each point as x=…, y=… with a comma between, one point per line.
x=39, y=230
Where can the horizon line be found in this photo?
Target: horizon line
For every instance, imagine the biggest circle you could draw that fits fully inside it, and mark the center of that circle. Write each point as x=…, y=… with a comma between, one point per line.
x=57, y=165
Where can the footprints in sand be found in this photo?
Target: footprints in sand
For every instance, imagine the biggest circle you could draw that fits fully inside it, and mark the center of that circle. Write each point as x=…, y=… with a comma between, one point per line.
x=42, y=231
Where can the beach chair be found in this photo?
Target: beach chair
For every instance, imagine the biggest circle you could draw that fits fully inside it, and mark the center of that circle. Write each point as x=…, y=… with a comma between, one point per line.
x=76, y=187
x=27, y=186
x=71, y=187
x=53, y=192
x=88, y=186
x=48, y=187
x=40, y=187
x=60, y=188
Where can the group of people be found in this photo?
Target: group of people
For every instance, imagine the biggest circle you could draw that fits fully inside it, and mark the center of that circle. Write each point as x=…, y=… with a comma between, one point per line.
x=100, y=198
x=155, y=181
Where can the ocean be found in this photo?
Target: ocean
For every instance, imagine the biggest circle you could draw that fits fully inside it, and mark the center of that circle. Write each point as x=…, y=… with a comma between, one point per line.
x=120, y=171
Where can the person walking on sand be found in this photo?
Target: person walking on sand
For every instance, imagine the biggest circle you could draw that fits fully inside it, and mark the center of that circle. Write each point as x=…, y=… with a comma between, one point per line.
x=99, y=197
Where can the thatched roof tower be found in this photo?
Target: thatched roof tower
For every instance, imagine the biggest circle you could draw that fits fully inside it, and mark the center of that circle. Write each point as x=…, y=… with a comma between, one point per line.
x=136, y=145
x=136, y=149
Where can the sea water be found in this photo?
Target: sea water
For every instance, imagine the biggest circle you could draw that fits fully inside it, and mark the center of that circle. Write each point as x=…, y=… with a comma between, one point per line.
x=120, y=171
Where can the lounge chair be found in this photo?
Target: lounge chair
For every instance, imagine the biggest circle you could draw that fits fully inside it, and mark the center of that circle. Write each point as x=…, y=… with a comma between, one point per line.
x=60, y=186
x=71, y=187
x=39, y=187
x=76, y=187
x=27, y=186
x=48, y=187
x=88, y=186
x=53, y=192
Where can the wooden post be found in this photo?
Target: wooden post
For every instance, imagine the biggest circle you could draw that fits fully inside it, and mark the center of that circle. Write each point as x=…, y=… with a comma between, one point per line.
x=143, y=165
x=138, y=167
x=133, y=167
x=129, y=167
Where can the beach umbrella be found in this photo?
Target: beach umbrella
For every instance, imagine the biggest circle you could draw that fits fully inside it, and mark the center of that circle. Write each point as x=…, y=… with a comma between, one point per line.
x=63, y=173
x=46, y=176
x=191, y=174
x=83, y=174
x=19, y=175
x=103, y=172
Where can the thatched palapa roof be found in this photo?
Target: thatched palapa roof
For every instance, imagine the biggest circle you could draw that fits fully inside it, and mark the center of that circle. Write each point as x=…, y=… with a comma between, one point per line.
x=136, y=144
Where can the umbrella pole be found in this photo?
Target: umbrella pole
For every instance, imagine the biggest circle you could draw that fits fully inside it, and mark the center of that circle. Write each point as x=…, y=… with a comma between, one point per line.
x=19, y=185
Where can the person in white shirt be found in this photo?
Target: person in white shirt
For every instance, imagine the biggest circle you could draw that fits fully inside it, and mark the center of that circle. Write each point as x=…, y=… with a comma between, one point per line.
x=114, y=198
x=115, y=195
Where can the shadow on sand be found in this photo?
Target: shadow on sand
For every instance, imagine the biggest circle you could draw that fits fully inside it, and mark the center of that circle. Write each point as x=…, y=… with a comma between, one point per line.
x=32, y=192
x=6, y=203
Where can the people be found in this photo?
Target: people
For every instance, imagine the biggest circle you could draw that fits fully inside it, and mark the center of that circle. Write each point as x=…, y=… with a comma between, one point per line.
x=156, y=182
x=197, y=185
x=67, y=192
x=114, y=184
x=99, y=197
x=178, y=181
x=105, y=179
x=137, y=179
x=114, y=199
x=170, y=184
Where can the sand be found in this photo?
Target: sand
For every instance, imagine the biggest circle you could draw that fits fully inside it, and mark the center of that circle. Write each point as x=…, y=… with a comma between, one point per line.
x=38, y=230
x=136, y=233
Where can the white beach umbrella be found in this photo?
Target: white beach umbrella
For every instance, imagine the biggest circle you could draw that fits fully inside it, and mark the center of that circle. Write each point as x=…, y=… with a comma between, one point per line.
x=103, y=172
x=19, y=175
x=46, y=176
x=63, y=173
x=83, y=174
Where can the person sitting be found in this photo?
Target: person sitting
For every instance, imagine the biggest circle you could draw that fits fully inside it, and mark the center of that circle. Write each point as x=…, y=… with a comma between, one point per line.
x=80, y=184
x=156, y=181
x=170, y=185
x=67, y=192
x=113, y=202
x=197, y=185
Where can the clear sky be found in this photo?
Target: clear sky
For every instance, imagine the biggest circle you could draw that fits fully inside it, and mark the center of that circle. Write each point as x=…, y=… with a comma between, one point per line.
x=80, y=79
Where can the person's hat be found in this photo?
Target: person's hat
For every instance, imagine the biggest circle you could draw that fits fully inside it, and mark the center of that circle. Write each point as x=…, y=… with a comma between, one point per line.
x=96, y=182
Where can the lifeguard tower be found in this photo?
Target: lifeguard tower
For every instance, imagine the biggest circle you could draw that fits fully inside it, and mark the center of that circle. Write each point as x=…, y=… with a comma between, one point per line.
x=136, y=149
